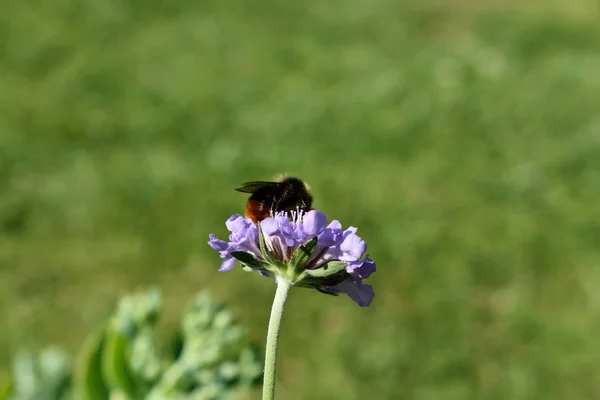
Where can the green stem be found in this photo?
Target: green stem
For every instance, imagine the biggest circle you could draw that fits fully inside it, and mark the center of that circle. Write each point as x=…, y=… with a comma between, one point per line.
x=283, y=287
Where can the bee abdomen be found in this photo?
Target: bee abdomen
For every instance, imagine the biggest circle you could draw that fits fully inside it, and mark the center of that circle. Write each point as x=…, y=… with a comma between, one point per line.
x=257, y=210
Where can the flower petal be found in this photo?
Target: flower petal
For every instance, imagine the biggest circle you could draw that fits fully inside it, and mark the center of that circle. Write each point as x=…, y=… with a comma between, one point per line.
x=359, y=292
x=331, y=235
x=314, y=223
x=216, y=243
x=287, y=230
x=361, y=269
x=352, y=246
x=236, y=223
x=269, y=226
x=227, y=264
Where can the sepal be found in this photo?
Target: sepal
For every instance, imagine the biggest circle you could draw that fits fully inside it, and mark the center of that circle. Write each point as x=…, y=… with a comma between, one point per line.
x=330, y=274
x=248, y=260
x=302, y=254
x=329, y=269
x=264, y=249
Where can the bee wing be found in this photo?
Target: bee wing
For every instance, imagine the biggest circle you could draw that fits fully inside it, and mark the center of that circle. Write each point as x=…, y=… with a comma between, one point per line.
x=252, y=187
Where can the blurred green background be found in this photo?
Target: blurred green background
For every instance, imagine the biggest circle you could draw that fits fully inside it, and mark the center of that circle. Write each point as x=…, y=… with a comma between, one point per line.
x=461, y=138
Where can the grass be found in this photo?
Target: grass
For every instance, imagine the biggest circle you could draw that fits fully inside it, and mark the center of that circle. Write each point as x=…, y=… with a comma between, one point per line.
x=462, y=139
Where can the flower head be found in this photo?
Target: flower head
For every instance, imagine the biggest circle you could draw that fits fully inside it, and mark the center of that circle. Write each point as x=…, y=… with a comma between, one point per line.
x=303, y=248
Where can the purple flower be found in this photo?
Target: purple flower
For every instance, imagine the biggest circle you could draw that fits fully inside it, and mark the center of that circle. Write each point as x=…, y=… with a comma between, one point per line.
x=303, y=248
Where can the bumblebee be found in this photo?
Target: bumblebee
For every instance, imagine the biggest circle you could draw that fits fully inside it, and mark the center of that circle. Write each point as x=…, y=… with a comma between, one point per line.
x=286, y=194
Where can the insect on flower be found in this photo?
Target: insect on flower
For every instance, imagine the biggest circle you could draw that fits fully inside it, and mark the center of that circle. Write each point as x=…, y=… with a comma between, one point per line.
x=284, y=239
x=286, y=194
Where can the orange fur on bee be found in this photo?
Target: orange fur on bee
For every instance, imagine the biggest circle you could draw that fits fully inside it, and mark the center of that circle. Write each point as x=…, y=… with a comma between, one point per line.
x=256, y=210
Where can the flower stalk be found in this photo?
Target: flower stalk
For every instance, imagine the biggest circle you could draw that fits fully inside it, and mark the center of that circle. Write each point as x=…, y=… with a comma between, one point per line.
x=283, y=287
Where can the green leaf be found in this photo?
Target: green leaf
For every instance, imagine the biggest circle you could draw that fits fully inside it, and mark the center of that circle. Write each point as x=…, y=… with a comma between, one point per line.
x=251, y=366
x=248, y=259
x=331, y=268
x=55, y=371
x=267, y=254
x=88, y=383
x=144, y=357
x=115, y=364
x=45, y=374
x=302, y=253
